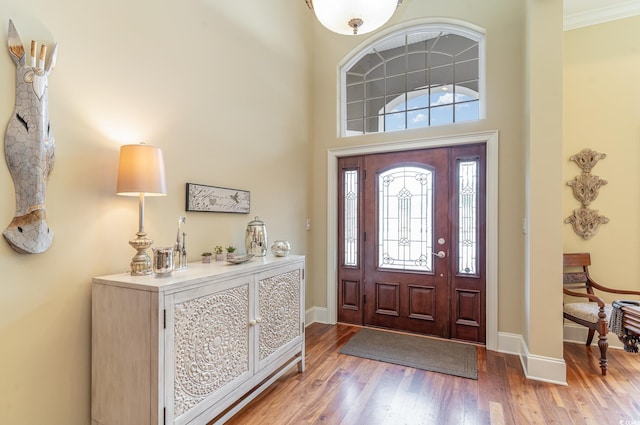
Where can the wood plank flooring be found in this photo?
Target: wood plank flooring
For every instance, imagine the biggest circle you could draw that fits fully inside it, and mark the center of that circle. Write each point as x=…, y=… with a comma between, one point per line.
x=340, y=389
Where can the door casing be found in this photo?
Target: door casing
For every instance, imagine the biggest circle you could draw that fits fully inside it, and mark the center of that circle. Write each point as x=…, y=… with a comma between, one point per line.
x=491, y=139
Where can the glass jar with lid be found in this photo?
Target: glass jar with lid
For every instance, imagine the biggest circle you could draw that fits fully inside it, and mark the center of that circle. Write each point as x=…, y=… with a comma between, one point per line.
x=256, y=238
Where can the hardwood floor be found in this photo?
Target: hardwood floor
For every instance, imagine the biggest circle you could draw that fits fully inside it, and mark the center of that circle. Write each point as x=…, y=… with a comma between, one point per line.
x=340, y=389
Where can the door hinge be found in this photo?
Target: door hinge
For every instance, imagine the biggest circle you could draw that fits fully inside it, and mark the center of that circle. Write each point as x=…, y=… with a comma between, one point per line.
x=364, y=299
x=364, y=174
x=364, y=235
x=164, y=319
x=164, y=415
x=303, y=274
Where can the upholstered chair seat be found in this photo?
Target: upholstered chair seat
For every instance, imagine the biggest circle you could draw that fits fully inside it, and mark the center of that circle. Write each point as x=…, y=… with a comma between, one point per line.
x=586, y=311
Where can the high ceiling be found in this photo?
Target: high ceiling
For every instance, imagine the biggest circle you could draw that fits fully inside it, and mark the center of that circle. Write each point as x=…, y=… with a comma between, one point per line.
x=580, y=13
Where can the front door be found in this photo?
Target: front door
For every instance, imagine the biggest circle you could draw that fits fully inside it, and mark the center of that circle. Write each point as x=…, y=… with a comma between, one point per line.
x=412, y=241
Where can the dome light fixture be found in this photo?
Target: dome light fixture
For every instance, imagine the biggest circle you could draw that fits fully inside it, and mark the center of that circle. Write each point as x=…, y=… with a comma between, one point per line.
x=353, y=16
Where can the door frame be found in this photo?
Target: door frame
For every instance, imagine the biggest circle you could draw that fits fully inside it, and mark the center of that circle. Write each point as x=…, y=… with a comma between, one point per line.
x=491, y=139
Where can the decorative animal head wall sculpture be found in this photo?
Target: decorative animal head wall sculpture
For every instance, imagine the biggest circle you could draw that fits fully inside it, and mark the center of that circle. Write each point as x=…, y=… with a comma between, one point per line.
x=29, y=147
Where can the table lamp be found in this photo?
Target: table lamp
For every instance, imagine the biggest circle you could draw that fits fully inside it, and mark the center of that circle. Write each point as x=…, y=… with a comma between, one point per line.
x=141, y=173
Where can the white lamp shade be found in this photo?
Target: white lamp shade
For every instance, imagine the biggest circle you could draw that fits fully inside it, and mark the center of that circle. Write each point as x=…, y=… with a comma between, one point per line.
x=336, y=14
x=141, y=171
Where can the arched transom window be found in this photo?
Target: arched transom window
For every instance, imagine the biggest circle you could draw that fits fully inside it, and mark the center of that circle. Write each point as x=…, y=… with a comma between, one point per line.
x=419, y=77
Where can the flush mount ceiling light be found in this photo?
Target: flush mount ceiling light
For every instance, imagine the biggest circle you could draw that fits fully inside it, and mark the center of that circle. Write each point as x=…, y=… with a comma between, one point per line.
x=353, y=16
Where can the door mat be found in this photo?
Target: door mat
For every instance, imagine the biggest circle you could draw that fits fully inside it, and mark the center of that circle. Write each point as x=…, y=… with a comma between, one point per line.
x=435, y=355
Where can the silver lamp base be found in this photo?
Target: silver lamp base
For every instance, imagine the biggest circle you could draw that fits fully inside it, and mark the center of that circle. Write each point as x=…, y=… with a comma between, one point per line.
x=141, y=263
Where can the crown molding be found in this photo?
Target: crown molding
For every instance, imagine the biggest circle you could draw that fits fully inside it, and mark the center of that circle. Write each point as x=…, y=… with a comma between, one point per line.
x=601, y=14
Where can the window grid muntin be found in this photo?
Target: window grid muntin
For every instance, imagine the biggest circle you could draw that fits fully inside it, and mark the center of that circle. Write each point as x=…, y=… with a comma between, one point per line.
x=468, y=198
x=411, y=248
x=475, y=42
x=411, y=96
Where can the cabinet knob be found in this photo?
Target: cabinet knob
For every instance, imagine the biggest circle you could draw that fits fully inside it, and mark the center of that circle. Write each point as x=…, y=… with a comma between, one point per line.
x=258, y=319
x=252, y=322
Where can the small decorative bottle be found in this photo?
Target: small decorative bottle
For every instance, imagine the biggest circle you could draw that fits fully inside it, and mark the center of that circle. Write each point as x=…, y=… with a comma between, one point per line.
x=179, y=249
x=183, y=255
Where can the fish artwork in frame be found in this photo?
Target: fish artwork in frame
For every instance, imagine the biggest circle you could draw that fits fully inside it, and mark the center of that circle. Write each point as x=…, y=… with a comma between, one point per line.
x=217, y=199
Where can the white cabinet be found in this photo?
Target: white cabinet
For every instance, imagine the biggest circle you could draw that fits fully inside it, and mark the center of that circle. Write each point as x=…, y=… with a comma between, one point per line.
x=197, y=345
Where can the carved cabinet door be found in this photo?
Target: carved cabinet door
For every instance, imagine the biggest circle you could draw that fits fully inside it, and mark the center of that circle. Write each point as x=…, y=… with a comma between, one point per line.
x=208, y=346
x=280, y=311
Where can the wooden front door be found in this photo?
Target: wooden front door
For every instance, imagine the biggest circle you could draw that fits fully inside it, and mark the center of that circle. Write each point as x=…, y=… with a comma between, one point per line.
x=411, y=241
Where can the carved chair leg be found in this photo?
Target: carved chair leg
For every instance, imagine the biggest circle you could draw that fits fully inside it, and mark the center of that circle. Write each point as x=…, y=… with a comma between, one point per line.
x=603, y=344
x=590, y=336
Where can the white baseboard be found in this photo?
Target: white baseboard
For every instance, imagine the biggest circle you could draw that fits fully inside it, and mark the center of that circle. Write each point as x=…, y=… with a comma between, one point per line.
x=509, y=343
x=545, y=369
x=548, y=369
x=578, y=334
x=317, y=314
x=537, y=368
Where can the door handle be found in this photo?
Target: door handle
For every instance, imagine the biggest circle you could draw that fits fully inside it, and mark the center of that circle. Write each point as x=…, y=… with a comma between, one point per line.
x=439, y=254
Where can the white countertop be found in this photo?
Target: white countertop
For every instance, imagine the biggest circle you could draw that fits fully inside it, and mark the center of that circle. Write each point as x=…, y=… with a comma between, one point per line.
x=195, y=273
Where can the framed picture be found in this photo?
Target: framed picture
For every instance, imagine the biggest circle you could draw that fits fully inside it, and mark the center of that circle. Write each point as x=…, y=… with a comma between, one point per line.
x=217, y=199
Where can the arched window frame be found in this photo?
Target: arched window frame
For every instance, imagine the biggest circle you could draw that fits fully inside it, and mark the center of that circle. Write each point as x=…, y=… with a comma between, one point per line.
x=452, y=26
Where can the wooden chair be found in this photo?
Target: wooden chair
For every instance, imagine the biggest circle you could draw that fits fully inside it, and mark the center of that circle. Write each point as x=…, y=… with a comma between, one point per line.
x=593, y=313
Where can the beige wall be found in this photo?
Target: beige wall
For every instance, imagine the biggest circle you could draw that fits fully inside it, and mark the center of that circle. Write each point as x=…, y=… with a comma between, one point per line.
x=222, y=87
x=601, y=68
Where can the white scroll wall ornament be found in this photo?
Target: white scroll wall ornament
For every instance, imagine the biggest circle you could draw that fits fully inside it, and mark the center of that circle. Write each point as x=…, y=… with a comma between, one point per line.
x=586, y=186
x=29, y=147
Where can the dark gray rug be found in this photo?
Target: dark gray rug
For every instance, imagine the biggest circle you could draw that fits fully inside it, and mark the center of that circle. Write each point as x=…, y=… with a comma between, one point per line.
x=435, y=355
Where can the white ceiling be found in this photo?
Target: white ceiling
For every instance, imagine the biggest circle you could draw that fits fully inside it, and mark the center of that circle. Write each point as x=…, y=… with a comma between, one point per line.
x=581, y=13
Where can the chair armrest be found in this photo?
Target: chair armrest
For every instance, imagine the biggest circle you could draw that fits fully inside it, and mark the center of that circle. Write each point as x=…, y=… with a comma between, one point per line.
x=611, y=290
x=593, y=298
